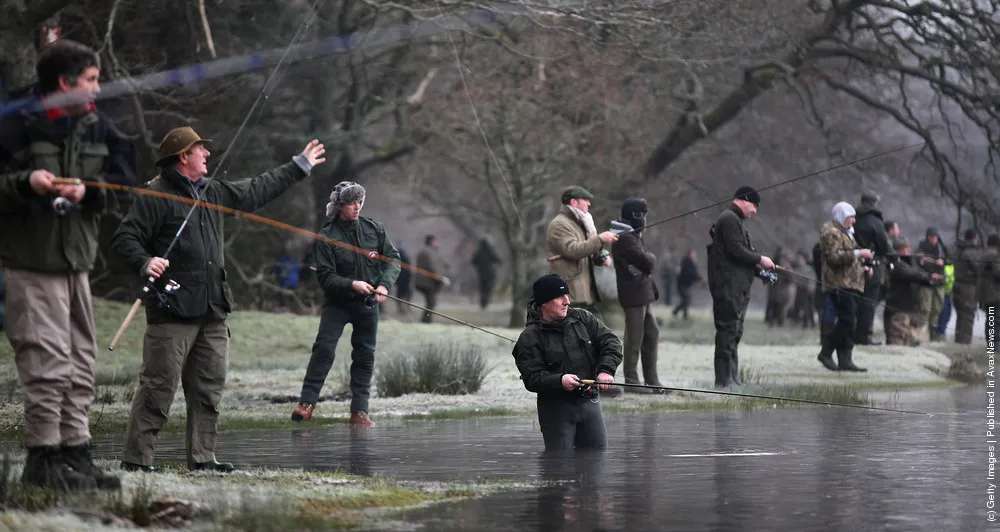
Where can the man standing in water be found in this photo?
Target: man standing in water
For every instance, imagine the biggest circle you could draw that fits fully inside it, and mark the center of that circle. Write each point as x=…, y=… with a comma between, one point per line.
x=560, y=347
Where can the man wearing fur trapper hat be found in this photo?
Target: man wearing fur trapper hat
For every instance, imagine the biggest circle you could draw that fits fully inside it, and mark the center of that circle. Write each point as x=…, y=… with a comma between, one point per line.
x=559, y=347
x=353, y=286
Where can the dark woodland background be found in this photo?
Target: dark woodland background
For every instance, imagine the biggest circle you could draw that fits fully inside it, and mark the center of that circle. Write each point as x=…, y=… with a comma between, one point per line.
x=471, y=132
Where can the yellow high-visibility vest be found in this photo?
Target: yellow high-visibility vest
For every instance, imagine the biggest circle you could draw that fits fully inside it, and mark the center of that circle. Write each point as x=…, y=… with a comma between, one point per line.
x=949, y=277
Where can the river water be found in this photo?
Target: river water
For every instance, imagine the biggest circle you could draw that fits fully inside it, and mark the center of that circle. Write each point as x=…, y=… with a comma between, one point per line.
x=822, y=468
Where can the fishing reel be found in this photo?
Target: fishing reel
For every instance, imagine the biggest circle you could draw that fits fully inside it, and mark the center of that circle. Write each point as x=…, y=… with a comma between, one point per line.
x=768, y=277
x=63, y=206
x=871, y=263
x=601, y=257
x=370, y=301
x=589, y=391
x=161, y=295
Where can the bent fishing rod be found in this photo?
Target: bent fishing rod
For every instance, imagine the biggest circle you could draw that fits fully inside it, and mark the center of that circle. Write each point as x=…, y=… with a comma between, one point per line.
x=248, y=216
x=768, y=187
x=752, y=396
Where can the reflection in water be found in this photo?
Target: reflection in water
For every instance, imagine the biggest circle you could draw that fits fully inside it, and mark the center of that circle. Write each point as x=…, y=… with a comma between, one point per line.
x=360, y=457
x=577, y=500
x=801, y=469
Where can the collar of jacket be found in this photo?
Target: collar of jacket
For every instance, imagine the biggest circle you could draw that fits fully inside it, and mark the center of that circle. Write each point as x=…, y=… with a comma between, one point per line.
x=866, y=208
x=535, y=317
x=572, y=216
x=345, y=224
x=182, y=181
x=739, y=212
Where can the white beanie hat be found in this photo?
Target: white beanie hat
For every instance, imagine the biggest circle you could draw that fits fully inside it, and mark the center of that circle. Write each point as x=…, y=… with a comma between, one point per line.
x=842, y=211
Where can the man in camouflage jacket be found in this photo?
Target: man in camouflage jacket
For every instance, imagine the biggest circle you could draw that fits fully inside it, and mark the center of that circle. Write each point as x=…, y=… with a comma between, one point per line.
x=844, y=281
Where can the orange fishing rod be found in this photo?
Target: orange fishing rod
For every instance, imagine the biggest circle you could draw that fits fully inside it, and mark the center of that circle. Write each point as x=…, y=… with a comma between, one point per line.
x=240, y=214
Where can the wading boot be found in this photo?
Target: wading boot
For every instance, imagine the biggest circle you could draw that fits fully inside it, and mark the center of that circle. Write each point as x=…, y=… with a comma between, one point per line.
x=79, y=458
x=361, y=419
x=844, y=358
x=649, y=373
x=132, y=466
x=734, y=372
x=722, y=370
x=218, y=467
x=46, y=468
x=303, y=412
x=826, y=357
x=825, y=328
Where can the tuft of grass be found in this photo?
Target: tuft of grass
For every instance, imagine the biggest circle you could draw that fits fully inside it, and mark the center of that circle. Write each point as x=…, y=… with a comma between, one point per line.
x=438, y=368
x=750, y=374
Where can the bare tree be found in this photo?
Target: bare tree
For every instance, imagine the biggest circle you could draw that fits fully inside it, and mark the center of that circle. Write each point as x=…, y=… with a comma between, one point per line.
x=931, y=66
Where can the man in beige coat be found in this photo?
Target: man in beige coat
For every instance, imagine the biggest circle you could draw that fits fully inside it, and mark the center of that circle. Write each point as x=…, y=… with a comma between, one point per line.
x=574, y=247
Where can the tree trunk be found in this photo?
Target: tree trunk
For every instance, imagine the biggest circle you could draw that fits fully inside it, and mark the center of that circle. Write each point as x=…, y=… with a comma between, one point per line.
x=518, y=285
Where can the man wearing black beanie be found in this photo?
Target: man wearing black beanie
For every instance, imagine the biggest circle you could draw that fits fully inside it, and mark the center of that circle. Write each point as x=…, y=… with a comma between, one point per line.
x=732, y=265
x=559, y=347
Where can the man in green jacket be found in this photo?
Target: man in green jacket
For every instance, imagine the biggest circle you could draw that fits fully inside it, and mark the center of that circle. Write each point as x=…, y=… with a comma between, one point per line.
x=353, y=285
x=559, y=347
x=48, y=244
x=187, y=333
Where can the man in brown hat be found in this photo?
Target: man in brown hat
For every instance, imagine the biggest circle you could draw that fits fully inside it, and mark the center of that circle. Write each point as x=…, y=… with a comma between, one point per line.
x=187, y=336
x=48, y=245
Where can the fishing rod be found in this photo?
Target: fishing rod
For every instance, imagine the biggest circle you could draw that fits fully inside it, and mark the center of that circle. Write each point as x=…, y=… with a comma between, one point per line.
x=649, y=386
x=264, y=93
x=752, y=396
x=456, y=320
x=778, y=184
x=248, y=216
x=859, y=296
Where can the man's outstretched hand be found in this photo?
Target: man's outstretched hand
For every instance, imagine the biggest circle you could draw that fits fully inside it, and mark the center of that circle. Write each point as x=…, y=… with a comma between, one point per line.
x=314, y=152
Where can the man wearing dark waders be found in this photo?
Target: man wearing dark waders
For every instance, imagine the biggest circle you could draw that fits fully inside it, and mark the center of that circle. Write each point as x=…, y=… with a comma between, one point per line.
x=733, y=263
x=187, y=328
x=559, y=347
x=869, y=231
x=48, y=245
x=353, y=284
